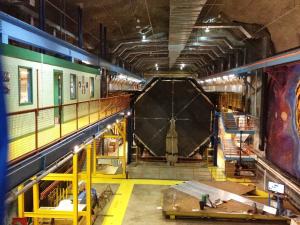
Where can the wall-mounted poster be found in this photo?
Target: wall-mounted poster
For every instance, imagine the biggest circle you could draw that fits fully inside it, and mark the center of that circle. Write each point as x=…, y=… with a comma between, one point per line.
x=83, y=85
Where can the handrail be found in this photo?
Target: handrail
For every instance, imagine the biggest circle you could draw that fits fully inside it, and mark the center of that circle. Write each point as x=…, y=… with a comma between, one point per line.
x=50, y=128
x=62, y=105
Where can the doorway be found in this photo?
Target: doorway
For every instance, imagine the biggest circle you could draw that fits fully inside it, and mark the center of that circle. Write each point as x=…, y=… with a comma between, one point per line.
x=57, y=76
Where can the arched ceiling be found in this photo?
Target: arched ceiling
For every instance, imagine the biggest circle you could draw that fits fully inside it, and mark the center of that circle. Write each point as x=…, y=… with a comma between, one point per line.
x=237, y=29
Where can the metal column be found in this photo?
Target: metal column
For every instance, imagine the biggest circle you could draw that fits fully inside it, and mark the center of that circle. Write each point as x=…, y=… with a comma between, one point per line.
x=75, y=189
x=42, y=14
x=89, y=184
x=79, y=29
x=216, y=137
x=104, y=42
x=130, y=126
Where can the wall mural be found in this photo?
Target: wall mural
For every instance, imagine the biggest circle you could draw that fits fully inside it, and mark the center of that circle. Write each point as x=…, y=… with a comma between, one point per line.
x=283, y=125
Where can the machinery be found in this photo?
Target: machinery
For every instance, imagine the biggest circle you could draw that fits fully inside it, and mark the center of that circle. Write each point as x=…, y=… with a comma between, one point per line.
x=172, y=118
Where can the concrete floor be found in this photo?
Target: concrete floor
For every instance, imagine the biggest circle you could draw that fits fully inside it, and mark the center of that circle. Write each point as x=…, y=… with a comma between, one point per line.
x=144, y=209
x=138, y=200
x=160, y=170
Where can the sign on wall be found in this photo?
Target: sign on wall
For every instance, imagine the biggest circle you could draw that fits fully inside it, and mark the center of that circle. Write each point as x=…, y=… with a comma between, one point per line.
x=276, y=187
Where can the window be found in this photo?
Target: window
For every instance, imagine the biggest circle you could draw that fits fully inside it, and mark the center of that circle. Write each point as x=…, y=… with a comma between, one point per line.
x=92, y=87
x=25, y=86
x=73, y=86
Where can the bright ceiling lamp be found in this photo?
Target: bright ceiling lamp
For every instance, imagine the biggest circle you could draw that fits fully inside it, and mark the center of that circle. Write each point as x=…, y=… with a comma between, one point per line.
x=182, y=66
x=207, y=30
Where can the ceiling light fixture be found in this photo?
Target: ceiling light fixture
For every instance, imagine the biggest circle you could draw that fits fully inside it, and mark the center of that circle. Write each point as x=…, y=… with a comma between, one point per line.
x=207, y=30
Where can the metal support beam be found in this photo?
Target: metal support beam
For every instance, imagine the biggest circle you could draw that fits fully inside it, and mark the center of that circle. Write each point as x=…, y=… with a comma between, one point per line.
x=101, y=40
x=36, y=202
x=216, y=137
x=42, y=14
x=263, y=110
x=79, y=29
x=89, y=184
x=3, y=38
x=75, y=189
x=21, y=203
x=104, y=42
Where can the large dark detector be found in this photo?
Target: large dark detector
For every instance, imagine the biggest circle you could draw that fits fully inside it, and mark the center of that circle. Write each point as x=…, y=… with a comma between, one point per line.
x=179, y=98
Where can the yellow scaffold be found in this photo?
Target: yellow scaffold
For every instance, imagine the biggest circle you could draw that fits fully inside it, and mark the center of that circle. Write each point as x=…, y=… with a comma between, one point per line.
x=78, y=210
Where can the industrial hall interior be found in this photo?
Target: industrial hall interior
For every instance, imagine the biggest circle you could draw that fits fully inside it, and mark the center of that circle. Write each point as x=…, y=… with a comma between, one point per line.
x=149, y=112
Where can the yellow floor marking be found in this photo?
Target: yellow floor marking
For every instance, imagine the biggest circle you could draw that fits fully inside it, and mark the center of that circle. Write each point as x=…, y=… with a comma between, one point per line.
x=155, y=182
x=136, y=181
x=117, y=209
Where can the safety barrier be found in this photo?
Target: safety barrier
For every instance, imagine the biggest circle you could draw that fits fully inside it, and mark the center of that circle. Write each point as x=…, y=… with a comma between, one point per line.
x=34, y=129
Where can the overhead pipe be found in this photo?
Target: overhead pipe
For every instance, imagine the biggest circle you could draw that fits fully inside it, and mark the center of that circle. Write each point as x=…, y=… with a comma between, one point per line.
x=224, y=26
x=225, y=40
x=137, y=42
x=140, y=47
x=204, y=44
x=147, y=53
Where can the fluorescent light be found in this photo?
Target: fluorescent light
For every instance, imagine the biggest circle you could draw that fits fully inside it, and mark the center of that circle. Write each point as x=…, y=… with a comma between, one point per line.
x=203, y=38
x=121, y=76
x=86, y=62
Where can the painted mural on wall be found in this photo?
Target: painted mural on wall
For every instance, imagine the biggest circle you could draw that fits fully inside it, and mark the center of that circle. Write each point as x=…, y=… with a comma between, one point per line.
x=283, y=125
